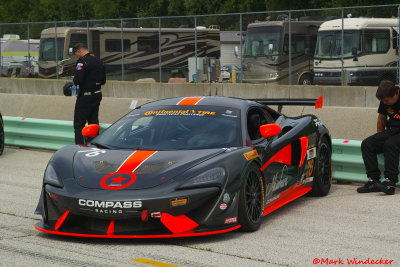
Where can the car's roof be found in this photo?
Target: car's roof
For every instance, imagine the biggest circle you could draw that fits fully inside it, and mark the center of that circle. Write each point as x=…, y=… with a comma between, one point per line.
x=204, y=100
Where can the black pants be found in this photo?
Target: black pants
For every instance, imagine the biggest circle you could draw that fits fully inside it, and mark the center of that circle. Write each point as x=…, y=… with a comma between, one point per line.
x=86, y=111
x=380, y=143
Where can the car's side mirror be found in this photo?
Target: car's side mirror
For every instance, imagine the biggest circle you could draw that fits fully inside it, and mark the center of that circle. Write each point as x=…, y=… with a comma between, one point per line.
x=271, y=129
x=90, y=130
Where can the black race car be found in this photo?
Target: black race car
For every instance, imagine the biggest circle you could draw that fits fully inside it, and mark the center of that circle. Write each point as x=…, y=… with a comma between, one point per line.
x=1, y=135
x=185, y=167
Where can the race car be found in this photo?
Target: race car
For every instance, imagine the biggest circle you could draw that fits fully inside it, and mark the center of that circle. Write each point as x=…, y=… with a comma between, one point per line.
x=1, y=135
x=187, y=166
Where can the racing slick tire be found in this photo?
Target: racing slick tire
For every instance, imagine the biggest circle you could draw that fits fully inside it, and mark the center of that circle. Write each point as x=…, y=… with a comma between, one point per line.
x=1, y=135
x=323, y=172
x=251, y=203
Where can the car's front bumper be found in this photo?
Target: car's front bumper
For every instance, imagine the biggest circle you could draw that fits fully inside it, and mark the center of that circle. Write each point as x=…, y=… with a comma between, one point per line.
x=177, y=214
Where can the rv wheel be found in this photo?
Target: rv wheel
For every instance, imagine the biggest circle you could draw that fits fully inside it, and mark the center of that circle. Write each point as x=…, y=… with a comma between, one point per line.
x=306, y=79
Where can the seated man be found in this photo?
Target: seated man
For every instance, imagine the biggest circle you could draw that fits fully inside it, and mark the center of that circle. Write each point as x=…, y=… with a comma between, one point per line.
x=386, y=141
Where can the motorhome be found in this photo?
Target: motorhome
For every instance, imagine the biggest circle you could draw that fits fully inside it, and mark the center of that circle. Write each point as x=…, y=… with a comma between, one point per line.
x=266, y=51
x=135, y=51
x=368, y=55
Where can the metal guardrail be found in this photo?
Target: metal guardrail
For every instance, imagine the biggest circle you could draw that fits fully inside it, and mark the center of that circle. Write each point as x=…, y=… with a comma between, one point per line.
x=347, y=162
x=39, y=133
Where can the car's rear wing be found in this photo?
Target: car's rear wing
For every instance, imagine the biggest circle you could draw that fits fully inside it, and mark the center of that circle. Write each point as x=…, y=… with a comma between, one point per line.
x=291, y=102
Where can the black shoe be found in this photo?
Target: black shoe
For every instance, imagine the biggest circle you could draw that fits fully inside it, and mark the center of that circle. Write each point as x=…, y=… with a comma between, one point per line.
x=370, y=186
x=387, y=187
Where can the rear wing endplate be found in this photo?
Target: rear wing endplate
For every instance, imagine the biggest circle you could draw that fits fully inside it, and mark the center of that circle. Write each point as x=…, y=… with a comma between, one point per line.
x=291, y=102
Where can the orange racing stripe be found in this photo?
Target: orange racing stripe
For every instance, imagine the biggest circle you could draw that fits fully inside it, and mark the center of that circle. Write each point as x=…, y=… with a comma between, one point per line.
x=190, y=101
x=135, y=160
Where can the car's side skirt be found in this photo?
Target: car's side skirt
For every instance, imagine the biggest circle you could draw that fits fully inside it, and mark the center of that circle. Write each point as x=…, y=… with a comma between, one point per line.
x=287, y=196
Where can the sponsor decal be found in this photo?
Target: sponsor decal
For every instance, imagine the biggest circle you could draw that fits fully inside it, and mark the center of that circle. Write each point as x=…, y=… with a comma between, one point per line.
x=179, y=201
x=279, y=180
x=308, y=180
x=226, y=198
x=317, y=122
x=180, y=112
x=251, y=155
x=117, y=180
x=156, y=214
x=108, y=207
x=223, y=206
x=310, y=167
x=311, y=153
x=92, y=152
x=230, y=220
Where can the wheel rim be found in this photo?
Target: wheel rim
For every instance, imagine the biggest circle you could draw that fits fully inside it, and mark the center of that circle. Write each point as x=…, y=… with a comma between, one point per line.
x=306, y=81
x=324, y=165
x=254, y=197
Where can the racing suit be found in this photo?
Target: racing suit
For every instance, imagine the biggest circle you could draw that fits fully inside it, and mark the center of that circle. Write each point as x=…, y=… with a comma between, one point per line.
x=89, y=75
x=386, y=142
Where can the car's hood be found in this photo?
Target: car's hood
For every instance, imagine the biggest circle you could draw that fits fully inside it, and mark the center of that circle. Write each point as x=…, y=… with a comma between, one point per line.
x=122, y=169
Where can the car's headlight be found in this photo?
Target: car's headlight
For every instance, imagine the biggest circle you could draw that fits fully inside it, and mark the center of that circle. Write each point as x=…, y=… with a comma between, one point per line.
x=213, y=177
x=51, y=177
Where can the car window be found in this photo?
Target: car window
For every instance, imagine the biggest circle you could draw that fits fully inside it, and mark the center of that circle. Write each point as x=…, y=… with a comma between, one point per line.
x=175, y=128
x=255, y=118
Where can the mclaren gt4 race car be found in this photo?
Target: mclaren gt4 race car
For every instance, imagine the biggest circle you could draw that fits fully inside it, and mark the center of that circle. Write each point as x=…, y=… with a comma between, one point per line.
x=185, y=167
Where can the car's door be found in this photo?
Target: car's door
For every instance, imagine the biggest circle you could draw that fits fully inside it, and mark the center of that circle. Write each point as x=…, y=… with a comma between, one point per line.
x=281, y=155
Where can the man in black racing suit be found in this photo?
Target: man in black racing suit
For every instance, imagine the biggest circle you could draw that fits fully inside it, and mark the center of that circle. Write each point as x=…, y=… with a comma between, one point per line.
x=90, y=76
x=386, y=141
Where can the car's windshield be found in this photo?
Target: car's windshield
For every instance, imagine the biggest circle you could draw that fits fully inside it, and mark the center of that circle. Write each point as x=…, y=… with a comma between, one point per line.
x=48, y=49
x=175, y=128
x=329, y=44
x=262, y=41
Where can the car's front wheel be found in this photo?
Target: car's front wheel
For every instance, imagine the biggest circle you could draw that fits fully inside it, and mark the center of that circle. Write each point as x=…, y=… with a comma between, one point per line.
x=251, y=204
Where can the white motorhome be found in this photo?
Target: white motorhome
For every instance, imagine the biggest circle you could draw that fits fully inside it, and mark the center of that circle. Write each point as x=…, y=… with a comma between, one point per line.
x=370, y=51
x=140, y=52
x=266, y=51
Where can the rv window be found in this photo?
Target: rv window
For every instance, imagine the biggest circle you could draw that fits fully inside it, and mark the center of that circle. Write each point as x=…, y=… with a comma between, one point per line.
x=77, y=38
x=48, y=48
x=329, y=44
x=298, y=43
x=148, y=44
x=263, y=41
x=376, y=41
x=114, y=45
x=395, y=34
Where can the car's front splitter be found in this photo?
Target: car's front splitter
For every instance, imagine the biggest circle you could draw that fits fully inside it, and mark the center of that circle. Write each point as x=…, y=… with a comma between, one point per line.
x=178, y=226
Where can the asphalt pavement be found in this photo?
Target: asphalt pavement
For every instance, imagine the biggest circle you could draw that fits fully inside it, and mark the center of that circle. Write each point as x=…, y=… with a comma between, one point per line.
x=344, y=228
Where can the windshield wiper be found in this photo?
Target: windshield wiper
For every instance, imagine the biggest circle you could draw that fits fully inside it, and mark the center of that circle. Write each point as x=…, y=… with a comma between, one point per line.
x=100, y=145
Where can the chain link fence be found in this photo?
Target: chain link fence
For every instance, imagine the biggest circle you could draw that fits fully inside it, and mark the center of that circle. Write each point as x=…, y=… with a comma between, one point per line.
x=336, y=46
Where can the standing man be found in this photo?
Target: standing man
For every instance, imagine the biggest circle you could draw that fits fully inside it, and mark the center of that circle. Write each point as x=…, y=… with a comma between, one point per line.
x=90, y=75
x=386, y=141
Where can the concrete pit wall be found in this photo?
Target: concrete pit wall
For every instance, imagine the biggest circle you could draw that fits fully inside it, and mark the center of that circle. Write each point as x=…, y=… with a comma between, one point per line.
x=346, y=96
x=349, y=112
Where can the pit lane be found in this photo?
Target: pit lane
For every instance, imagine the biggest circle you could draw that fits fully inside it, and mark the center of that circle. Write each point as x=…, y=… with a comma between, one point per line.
x=309, y=231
